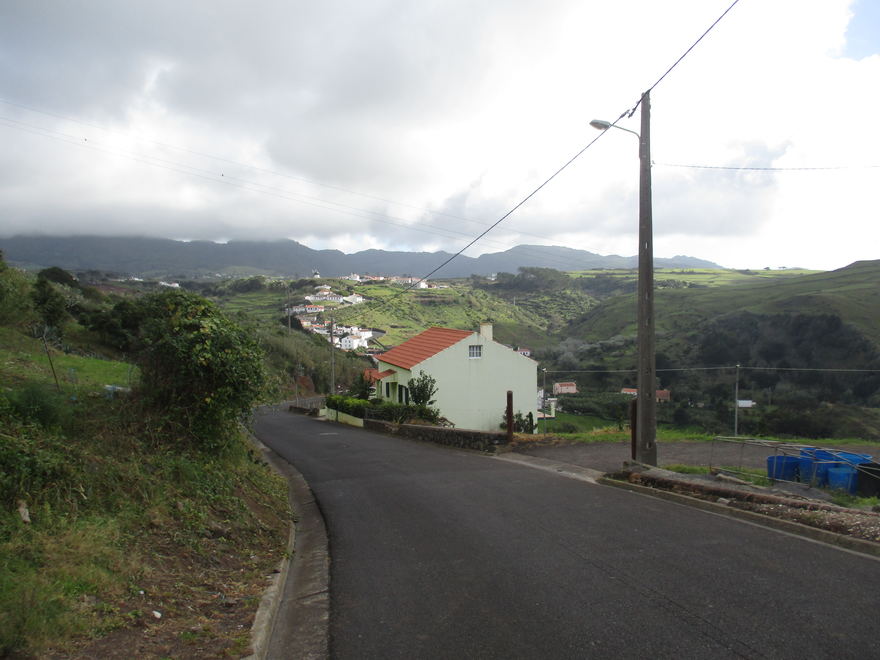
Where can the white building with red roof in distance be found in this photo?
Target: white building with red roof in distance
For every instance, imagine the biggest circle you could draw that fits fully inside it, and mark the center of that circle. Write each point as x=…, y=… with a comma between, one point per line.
x=473, y=374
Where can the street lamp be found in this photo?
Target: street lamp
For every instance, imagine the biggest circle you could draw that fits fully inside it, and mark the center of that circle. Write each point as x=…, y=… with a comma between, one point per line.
x=646, y=411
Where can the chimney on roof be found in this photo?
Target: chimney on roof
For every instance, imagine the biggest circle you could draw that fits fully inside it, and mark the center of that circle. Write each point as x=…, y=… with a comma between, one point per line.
x=486, y=331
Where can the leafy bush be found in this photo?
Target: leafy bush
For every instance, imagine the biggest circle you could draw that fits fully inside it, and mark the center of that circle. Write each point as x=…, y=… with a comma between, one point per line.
x=422, y=389
x=199, y=368
x=14, y=298
x=348, y=405
x=520, y=424
x=49, y=303
x=32, y=463
x=388, y=411
x=36, y=402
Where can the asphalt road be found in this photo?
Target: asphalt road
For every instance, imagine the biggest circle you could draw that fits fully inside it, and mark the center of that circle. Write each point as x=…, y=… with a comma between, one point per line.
x=440, y=553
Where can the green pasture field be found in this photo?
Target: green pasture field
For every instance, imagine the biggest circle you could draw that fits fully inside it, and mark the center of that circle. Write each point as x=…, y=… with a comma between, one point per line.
x=710, y=277
x=24, y=358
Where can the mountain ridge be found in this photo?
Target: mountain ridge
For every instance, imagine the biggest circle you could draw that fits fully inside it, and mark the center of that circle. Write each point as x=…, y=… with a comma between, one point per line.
x=143, y=256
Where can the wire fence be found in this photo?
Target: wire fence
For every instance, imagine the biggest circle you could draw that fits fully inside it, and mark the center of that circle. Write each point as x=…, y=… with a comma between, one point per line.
x=804, y=464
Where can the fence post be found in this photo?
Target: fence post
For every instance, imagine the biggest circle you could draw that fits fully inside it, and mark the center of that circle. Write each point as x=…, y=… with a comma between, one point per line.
x=509, y=416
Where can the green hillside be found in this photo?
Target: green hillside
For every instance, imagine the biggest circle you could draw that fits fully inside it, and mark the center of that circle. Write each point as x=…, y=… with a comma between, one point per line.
x=853, y=293
x=402, y=313
x=809, y=345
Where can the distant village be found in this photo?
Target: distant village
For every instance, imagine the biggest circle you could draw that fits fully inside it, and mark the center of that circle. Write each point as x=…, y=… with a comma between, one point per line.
x=345, y=337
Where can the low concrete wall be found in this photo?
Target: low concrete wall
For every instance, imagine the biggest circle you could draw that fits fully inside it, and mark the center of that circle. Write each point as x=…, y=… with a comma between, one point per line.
x=487, y=441
x=342, y=418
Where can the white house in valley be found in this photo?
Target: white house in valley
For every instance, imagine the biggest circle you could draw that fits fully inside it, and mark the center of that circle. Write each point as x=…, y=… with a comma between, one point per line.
x=472, y=371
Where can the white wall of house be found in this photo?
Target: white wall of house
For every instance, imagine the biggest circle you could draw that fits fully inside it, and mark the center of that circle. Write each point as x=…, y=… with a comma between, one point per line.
x=472, y=391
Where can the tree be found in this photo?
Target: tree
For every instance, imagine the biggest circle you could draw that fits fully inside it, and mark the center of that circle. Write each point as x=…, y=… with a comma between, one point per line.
x=422, y=389
x=361, y=387
x=202, y=370
x=59, y=276
x=49, y=303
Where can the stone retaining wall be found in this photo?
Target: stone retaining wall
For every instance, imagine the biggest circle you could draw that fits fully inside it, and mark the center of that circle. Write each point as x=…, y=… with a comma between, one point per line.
x=488, y=441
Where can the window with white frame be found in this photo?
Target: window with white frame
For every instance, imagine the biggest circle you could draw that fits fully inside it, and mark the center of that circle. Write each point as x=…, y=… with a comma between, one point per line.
x=475, y=351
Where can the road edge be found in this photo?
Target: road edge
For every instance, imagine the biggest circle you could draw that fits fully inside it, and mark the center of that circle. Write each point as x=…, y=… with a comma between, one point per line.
x=302, y=585
x=840, y=541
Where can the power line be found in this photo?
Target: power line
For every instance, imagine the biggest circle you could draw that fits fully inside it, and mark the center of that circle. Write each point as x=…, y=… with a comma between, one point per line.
x=693, y=45
x=283, y=193
x=495, y=224
x=721, y=368
x=569, y=162
x=685, y=54
x=769, y=169
x=263, y=170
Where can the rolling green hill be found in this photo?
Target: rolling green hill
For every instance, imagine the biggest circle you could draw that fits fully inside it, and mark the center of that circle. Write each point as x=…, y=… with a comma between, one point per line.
x=852, y=293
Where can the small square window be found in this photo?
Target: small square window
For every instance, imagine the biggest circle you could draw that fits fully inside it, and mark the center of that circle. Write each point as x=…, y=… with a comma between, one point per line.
x=475, y=351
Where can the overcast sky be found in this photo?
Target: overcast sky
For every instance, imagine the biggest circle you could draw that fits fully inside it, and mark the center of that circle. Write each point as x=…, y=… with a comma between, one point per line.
x=414, y=125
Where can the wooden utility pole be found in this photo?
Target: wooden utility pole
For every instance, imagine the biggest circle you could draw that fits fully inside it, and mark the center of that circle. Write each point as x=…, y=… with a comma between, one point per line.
x=646, y=413
x=332, y=361
x=736, y=404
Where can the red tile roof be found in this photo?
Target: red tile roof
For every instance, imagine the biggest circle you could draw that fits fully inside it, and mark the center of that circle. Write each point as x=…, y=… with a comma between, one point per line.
x=422, y=346
x=373, y=375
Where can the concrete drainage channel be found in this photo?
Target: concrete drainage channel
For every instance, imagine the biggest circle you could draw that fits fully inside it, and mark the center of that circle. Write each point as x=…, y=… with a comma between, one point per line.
x=300, y=592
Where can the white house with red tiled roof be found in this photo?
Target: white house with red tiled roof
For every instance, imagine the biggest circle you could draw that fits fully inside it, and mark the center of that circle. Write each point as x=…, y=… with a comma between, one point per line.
x=472, y=371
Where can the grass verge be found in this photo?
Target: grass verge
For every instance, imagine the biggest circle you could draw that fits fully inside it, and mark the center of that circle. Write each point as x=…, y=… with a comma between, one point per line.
x=116, y=541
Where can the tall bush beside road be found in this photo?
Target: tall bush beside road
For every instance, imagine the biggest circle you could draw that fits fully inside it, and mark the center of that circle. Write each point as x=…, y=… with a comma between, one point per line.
x=201, y=370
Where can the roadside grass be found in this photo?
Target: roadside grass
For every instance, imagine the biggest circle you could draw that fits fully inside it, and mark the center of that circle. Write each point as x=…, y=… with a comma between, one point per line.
x=759, y=478
x=567, y=420
x=124, y=519
x=595, y=429
x=753, y=475
x=842, y=498
x=614, y=434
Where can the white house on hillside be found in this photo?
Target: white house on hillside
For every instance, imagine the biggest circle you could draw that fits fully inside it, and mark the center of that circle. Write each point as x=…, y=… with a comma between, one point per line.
x=472, y=371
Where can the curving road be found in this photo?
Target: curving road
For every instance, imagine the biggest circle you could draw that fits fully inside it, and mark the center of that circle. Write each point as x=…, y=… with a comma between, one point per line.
x=440, y=553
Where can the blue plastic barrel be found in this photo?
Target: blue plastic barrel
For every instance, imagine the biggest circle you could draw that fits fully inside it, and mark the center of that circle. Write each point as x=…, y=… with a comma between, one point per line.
x=824, y=460
x=806, y=469
x=853, y=459
x=842, y=478
x=783, y=468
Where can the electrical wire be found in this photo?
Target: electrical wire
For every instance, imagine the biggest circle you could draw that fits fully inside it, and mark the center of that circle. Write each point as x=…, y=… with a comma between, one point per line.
x=283, y=193
x=263, y=170
x=722, y=368
x=274, y=191
x=686, y=53
x=769, y=169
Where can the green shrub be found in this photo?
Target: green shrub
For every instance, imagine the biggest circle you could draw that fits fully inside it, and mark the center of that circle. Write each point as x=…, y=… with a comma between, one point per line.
x=348, y=405
x=33, y=465
x=388, y=411
x=36, y=402
x=203, y=371
x=15, y=300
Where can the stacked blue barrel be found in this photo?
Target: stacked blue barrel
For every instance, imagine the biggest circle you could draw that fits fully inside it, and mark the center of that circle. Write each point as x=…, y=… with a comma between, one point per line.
x=828, y=468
